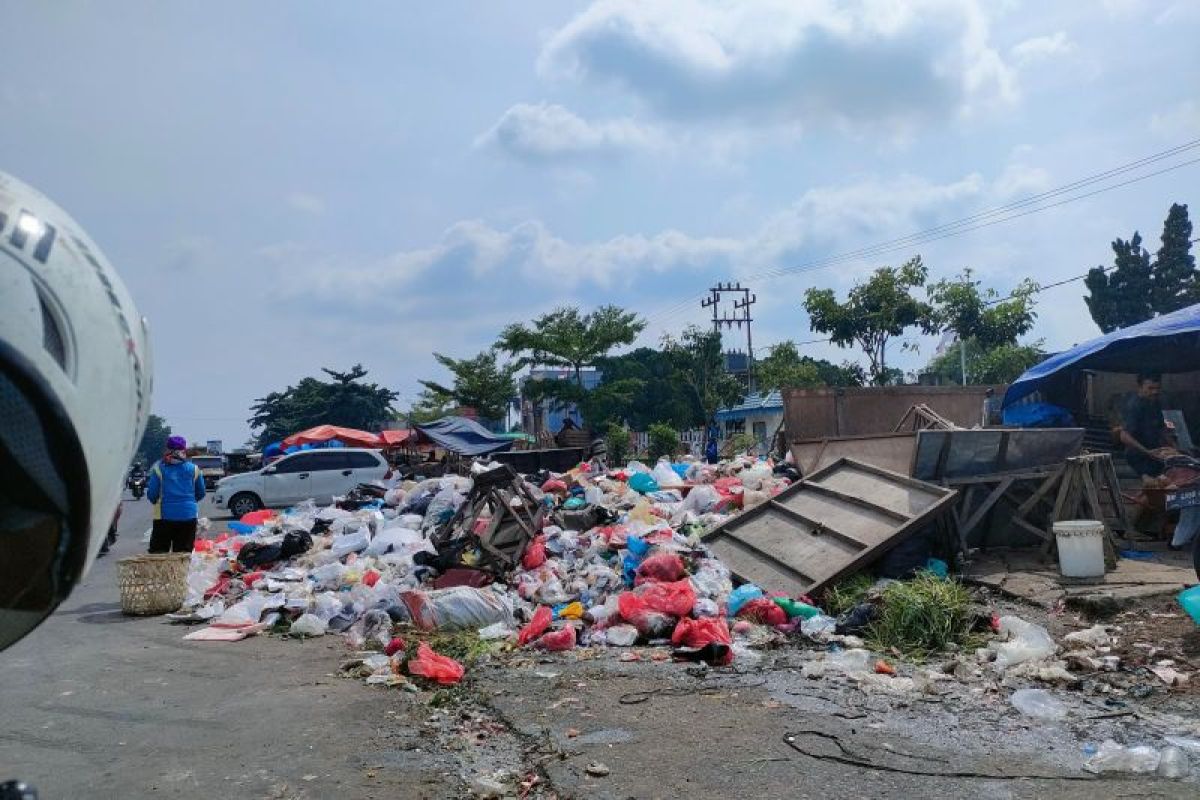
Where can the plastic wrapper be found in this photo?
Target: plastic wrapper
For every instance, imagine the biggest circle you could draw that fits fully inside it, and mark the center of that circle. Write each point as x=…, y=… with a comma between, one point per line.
x=740, y=596
x=308, y=625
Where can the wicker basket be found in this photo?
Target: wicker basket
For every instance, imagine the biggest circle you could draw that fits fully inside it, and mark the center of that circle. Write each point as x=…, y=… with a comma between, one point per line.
x=153, y=584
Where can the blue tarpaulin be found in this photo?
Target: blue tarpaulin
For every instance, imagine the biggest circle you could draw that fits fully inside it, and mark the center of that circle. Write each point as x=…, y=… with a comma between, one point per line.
x=1170, y=343
x=464, y=436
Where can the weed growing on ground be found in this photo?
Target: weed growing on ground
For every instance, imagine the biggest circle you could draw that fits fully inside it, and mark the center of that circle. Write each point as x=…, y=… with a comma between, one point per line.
x=922, y=616
x=846, y=594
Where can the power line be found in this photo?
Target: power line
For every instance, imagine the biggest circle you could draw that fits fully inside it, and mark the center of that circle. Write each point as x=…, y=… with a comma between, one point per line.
x=972, y=222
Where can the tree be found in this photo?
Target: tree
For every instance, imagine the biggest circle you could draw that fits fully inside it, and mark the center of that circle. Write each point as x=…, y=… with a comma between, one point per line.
x=154, y=440
x=1175, y=280
x=1122, y=296
x=875, y=311
x=481, y=383
x=783, y=368
x=700, y=365
x=658, y=395
x=429, y=407
x=571, y=340
x=981, y=320
x=1001, y=364
x=345, y=400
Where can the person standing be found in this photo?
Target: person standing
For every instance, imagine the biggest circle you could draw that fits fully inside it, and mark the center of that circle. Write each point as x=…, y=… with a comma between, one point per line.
x=176, y=488
x=1143, y=430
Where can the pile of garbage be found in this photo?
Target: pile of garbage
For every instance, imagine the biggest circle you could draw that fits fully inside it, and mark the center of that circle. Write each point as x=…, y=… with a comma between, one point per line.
x=617, y=560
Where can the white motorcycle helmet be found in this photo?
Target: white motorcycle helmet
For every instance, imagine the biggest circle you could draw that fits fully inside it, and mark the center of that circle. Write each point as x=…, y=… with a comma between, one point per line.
x=75, y=381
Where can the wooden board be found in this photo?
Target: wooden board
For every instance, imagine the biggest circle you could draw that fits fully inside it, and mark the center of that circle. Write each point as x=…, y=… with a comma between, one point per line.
x=891, y=451
x=836, y=521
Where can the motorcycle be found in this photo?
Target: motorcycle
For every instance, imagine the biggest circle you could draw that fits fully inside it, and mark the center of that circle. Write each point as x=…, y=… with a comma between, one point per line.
x=137, y=485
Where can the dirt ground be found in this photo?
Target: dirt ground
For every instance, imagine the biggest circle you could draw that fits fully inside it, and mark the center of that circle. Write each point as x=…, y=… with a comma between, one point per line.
x=98, y=704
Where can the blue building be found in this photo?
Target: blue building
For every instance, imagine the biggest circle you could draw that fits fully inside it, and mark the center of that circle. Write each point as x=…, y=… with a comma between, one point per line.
x=759, y=415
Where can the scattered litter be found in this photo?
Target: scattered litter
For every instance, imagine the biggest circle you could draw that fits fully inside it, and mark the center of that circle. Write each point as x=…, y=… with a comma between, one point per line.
x=1038, y=703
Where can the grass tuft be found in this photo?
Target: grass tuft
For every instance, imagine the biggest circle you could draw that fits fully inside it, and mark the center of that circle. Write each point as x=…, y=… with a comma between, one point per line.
x=846, y=594
x=922, y=616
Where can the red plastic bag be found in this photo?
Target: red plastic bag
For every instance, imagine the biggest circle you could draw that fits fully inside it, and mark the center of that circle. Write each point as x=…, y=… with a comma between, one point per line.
x=394, y=646
x=554, y=485
x=764, y=611
x=436, y=667
x=650, y=623
x=257, y=517
x=251, y=578
x=370, y=578
x=676, y=598
x=535, y=554
x=559, y=640
x=700, y=632
x=203, y=545
x=536, y=627
x=659, y=568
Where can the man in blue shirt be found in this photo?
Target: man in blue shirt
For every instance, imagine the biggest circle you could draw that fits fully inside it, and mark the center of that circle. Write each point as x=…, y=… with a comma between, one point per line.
x=176, y=488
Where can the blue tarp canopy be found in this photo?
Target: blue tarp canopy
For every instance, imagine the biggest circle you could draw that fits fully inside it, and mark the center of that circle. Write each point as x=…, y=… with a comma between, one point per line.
x=464, y=436
x=1170, y=343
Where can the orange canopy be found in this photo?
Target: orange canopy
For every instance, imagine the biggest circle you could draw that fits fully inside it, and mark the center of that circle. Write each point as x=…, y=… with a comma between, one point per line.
x=395, y=438
x=323, y=433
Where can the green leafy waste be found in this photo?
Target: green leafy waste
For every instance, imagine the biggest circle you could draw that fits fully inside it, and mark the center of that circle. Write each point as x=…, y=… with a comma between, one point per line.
x=922, y=616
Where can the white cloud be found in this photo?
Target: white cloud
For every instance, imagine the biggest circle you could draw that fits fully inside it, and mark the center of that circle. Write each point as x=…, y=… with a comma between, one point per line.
x=1180, y=121
x=1020, y=179
x=305, y=202
x=821, y=221
x=549, y=132
x=1039, y=48
x=862, y=62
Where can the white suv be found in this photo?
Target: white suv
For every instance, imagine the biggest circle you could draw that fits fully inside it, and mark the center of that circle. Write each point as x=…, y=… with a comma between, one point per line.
x=316, y=474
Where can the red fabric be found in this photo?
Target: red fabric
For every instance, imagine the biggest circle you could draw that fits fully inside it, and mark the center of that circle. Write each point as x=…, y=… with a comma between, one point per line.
x=436, y=667
x=675, y=598
x=536, y=627
x=763, y=610
x=559, y=640
x=535, y=554
x=659, y=568
x=323, y=433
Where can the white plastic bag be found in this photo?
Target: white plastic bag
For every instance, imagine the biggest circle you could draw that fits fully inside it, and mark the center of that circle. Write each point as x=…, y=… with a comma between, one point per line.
x=665, y=475
x=1026, y=642
x=1114, y=757
x=308, y=625
x=350, y=543
x=701, y=499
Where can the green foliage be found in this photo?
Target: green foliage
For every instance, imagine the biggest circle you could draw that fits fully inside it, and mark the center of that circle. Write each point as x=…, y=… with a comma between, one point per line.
x=616, y=443
x=959, y=306
x=480, y=383
x=1123, y=296
x=429, y=407
x=655, y=392
x=567, y=338
x=664, y=441
x=741, y=443
x=154, y=440
x=344, y=401
x=846, y=594
x=1001, y=364
x=700, y=365
x=922, y=616
x=783, y=368
x=875, y=311
x=1176, y=282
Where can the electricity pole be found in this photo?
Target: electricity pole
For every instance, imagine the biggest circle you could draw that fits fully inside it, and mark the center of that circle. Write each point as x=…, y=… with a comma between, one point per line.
x=742, y=301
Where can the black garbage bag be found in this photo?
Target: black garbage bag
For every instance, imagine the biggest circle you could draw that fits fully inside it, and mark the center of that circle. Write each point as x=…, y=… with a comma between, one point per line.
x=856, y=620
x=295, y=543
x=257, y=554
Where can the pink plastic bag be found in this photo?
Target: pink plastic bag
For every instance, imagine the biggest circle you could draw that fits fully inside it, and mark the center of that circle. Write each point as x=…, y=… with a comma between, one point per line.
x=435, y=667
x=536, y=627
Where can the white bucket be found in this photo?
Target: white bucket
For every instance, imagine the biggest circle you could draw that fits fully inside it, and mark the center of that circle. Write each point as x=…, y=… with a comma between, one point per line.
x=1080, y=548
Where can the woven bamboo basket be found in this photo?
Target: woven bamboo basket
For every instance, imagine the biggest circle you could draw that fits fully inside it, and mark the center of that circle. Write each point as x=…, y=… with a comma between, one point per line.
x=153, y=584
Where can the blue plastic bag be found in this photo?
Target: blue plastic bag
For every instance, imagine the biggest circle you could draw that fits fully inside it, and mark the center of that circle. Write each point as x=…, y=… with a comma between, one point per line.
x=740, y=596
x=643, y=482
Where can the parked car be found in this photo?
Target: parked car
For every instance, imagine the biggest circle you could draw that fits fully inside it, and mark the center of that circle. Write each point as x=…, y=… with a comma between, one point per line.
x=316, y=474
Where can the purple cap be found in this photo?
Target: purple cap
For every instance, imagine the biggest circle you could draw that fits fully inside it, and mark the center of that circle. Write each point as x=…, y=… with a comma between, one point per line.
x=176, y=443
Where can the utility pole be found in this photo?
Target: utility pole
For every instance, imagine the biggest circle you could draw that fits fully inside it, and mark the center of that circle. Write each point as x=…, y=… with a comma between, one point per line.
x=741, y=316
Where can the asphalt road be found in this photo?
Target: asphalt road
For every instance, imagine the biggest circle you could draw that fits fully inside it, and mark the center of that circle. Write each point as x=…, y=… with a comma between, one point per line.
x=97, y=704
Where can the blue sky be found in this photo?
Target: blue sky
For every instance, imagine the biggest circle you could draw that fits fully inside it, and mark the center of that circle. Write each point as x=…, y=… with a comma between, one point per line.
x=286, y=186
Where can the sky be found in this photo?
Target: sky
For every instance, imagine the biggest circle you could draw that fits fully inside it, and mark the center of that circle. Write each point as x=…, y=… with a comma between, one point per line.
x=291, y=186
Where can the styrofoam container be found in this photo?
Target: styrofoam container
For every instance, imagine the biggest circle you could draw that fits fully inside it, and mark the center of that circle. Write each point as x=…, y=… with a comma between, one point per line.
x=1080, y=548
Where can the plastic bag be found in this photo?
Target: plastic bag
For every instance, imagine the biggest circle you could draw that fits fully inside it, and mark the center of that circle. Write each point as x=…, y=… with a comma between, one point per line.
x=350, y=543
x=1114, y=757
x=536, y=627
x=535, y=554
x=699, y=632
x=664, y=475
x=643, y=482
x=675, y=598
x=764, y=611
x=622, y=635
x=1174, y=763
x=308, y=625
x=557, y=641
x=458, y=607
x=1026, y=642
x=1038, y=703
x=850, y=661
x=740, y=596
x=659, y=568
x=701, y=499
x=648, y=622
x=435, y=667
